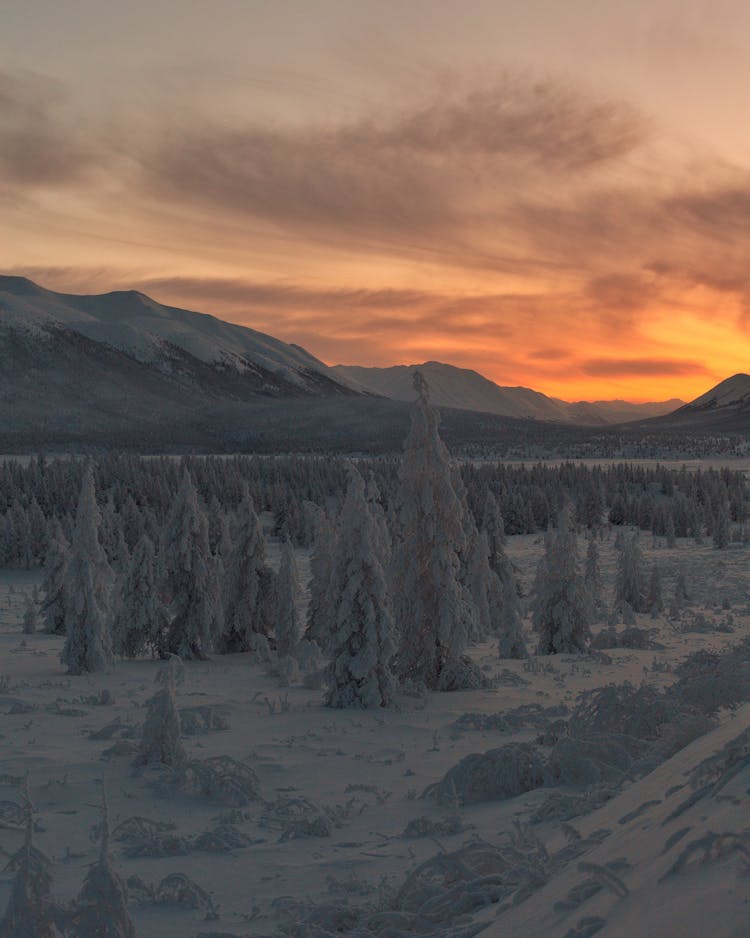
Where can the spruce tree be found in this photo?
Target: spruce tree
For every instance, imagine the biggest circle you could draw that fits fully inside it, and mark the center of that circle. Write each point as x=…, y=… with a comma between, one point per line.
x=432, y=608
x=248, y=582
x=288, y=622
x=161, y=742
x=189, y=577
x=31, y=911
x=561, y=606
x=89, y=581
x=319, y=614
x=101, y=907
x=359, y=674
x=140, y=619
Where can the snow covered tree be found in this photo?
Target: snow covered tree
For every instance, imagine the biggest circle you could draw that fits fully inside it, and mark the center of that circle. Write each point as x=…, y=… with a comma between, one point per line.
x=89, y=580
x=189, y=577
x=493, y=526
x=140, y=619
x=432, y=609
x=319, y=614
x=359, y=674
x=161, y=742
x=629, y=586
x=479, y=576
x=593, y=578
x=30, y=616
x=101, y=907
x=248, y=582
x=31, y=911
x=288, y=623
x=654, y=601
x=561, y=605
x=53, y=585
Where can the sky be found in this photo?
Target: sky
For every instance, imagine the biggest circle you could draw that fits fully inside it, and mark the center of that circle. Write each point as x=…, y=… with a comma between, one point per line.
x=554, y=194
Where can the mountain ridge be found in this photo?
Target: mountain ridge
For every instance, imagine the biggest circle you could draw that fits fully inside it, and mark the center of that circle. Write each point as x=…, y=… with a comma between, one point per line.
x=467, y=389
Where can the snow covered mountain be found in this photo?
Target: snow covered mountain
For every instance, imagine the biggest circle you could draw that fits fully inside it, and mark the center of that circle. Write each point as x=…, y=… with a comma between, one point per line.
x=174, y=341
x=733, y=393
x=465, y=389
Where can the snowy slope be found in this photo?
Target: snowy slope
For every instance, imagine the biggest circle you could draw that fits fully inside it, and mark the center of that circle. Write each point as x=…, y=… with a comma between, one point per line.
x=146, y=330
x=733, y=392
x=466, y=389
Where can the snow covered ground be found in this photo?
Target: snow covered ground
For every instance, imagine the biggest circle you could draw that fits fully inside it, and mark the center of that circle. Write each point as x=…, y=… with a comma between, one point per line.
x=339, y=790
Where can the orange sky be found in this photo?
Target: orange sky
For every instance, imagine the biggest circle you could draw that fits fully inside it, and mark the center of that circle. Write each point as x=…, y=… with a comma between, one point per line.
x=557, y=195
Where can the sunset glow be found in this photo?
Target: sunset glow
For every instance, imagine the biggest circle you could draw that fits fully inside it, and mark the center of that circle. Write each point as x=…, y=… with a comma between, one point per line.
x=556, y=195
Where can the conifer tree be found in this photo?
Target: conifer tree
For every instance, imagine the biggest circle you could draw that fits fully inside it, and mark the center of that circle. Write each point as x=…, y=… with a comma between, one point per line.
x=654, y=600
x=89, y=581
x=359, y=674
x=629, y=586
x=140, y=620
x=30, y=616
x=248, y=582
x=31, y=911
x=432, y=608
x=288, y=622
x=101, y=907
x=593, y=578
x=161, y=742
x=561, y=606
x=190, y=577
x=319, y=614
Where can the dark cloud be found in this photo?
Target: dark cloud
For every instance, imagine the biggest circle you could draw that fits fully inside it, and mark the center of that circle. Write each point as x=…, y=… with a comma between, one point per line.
x=619, y=367
x=40, y=145
x=548, y=354
x=437, y=171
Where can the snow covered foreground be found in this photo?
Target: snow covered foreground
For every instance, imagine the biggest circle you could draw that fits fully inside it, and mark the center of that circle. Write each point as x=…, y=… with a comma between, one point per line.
x=330, y=835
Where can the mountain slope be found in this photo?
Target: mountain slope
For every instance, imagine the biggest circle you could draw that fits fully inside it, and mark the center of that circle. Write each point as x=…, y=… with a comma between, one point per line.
x=725, y=408
x=465, y=389
x=170, y=339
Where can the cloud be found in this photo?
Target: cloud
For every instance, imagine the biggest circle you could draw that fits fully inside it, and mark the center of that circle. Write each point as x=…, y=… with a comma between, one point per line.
x=639, y=367
x=432, y=175
x=40, y=146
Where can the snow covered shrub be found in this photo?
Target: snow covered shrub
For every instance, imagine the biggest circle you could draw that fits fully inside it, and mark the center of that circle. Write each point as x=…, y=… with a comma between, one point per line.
x=462, y=674
x=491, y=776
x=221, y=778
x=161, y=742
x=589, y=761
x=710, y=680
x=622, y=710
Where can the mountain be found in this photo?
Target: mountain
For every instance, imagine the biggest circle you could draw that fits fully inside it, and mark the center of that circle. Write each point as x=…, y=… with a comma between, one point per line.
x=174, y=341
x=121, y=369
x=725, y=408
x=465, y=389
x=732, y=394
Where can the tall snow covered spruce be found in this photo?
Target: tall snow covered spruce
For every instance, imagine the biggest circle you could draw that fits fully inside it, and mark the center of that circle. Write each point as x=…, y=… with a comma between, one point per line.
x=561, y=606
x=432, y=609
x=504, y=604
x=88, y=642
x=54, y=583
x=321, y=561
x=288, y=622
x=140, y=619
x=190, y=581
x=361, y=639
x=248, y=582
